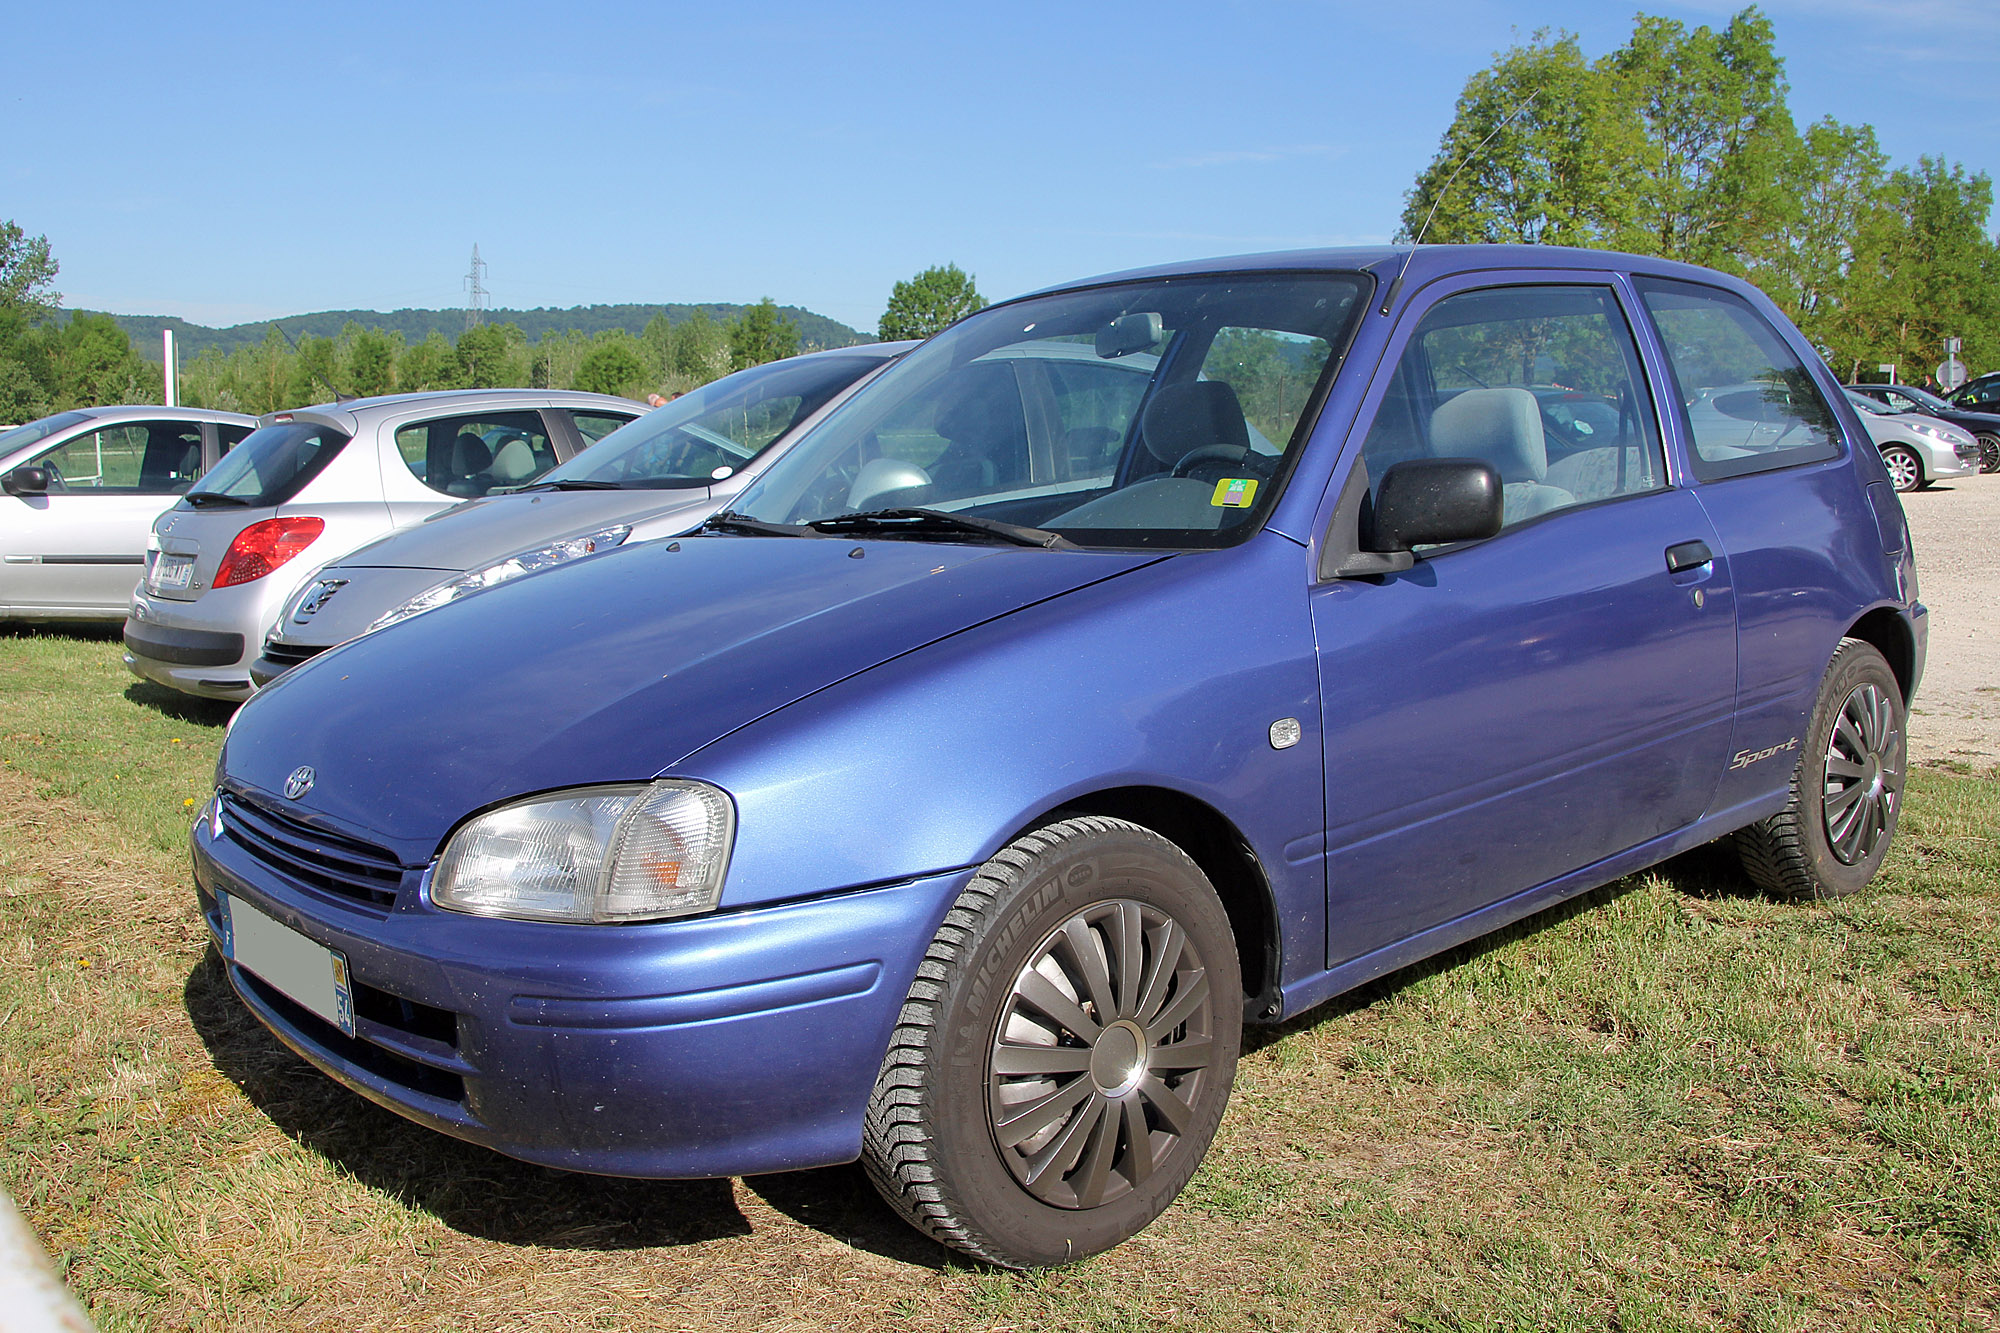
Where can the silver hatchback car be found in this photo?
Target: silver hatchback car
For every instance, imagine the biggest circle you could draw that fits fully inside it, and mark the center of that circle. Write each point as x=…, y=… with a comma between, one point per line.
x=312, y=484
x=82, y=489
x=658, y=477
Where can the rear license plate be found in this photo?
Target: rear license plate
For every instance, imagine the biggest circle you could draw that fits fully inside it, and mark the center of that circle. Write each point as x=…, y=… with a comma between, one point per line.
x=310, y=975
x=172, y=573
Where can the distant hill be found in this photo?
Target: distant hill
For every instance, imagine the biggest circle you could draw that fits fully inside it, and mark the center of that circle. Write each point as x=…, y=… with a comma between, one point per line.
x=416, y=325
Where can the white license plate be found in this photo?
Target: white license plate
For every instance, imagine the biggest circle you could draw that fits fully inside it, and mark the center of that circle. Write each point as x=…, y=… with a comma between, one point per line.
x=172, y=573
x=309, y=974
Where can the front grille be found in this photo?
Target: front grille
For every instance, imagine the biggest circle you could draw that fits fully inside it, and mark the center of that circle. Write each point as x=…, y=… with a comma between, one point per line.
x=343, y=867
x=291, y=654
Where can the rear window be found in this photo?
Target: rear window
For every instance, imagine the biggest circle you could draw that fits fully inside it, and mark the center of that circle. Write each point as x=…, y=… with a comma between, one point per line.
x=710, y=434
x=273, y=463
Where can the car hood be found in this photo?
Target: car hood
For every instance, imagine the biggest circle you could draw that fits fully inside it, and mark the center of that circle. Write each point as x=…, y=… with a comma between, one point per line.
x=611, y=670
x=479, y=531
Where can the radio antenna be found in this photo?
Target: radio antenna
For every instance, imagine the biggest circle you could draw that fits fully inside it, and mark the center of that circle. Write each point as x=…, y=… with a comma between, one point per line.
x=1389, y=298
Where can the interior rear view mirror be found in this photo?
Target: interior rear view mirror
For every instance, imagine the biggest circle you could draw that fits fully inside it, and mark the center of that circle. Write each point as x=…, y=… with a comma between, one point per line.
x=1130, y=333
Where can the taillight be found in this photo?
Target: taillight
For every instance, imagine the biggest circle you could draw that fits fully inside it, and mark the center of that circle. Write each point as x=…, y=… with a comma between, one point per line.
x=262, y=547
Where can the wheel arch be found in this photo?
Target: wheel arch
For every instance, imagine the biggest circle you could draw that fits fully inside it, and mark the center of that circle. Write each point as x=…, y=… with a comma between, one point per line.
x=1889, y=634
x=1223, y=854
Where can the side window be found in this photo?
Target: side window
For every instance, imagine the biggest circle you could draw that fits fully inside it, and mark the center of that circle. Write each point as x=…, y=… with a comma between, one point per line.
x=137, y=458
x=1543, y=383
x=594, y=426
x=472, y=455
x=974, y=439
x=1746, y=398
x=227, y=437
x=1272, y=374
x=1095, y=402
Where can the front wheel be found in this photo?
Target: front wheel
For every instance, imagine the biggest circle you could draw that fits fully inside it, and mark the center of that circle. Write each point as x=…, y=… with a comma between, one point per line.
x=1989, y=452
x=1906, y=470
x=1847, y=790
x=1066, y=1051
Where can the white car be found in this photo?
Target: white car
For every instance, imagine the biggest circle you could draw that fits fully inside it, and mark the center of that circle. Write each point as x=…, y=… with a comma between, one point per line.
x=312, y=484
x=81, y=491
x=1916, y=449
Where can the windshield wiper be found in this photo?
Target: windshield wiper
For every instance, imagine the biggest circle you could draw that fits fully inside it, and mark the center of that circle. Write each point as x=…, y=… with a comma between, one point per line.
x=200, y=499
x=571, y=484
x=728, y=521
x=892, y=522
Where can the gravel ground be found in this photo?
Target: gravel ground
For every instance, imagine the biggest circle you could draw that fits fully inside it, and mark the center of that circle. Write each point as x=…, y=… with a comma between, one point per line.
x=1957, y=712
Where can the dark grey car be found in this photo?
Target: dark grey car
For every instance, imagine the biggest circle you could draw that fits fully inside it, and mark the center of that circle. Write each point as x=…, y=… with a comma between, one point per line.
x=659, y=476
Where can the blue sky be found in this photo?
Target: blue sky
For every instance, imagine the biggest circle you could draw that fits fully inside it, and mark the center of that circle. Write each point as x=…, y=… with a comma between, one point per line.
x=229, y=162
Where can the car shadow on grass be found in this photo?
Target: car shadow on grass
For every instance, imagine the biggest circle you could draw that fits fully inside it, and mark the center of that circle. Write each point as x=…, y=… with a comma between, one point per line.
x=1709, y=871
x=181, y=707
x=481, y=1193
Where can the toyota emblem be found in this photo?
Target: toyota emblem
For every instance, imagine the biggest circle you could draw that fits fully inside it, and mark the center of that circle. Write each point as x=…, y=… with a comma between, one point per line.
x=299, y=783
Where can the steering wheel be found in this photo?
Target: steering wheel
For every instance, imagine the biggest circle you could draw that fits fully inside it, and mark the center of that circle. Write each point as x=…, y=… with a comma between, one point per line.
x=1233, y=460
x=56, y=480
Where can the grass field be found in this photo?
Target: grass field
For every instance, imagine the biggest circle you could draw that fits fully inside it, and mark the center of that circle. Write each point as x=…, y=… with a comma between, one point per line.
x=1672, y=1105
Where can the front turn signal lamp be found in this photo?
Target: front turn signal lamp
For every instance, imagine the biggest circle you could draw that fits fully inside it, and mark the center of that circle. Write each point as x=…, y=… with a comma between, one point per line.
x=641, y=852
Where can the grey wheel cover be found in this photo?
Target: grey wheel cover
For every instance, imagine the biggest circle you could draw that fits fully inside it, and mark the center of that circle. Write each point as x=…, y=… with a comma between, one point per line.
x=1863, y=774
x=1100, y=1054
x=1904, y=470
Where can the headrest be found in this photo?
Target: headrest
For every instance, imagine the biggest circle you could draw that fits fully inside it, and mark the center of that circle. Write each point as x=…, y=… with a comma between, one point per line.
x=514, y=462
x=1498, y=426
x=469, y=454
x=1185, y=417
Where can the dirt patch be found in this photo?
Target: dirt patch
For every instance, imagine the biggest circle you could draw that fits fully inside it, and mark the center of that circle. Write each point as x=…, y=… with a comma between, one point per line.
x=1957, y=530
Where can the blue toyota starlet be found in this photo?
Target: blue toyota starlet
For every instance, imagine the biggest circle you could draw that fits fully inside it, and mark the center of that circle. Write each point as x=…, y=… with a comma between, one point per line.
x=1132, y=660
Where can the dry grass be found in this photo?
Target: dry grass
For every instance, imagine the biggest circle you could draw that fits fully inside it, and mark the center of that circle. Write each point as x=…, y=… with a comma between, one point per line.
x=1669, y=1106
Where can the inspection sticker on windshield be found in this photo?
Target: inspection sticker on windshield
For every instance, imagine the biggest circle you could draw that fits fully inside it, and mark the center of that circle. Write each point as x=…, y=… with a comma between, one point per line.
x=1234, y=493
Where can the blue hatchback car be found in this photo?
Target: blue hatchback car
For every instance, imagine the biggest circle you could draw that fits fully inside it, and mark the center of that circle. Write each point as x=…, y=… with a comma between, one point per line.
x=1133, y=660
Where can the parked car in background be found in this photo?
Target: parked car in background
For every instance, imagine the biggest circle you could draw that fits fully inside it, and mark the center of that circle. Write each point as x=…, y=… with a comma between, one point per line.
x=1983, y=427
x=1916, y=449
x=78, y=495
x=660, y=475
x=1981, y=393
x=952, y=800
x=314, y=483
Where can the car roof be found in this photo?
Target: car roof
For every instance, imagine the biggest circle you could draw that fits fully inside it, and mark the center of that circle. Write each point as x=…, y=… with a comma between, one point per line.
x=155, y=412
x=1417, y=264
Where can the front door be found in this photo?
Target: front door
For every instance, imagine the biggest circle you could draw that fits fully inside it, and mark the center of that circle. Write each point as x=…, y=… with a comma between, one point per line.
x=1514, y=709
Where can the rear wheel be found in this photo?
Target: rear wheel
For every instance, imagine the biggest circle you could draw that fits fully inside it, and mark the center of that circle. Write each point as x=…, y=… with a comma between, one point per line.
x=1847, y=790
x=1906, y=470
x=1989, y=452
x=1065, y=1054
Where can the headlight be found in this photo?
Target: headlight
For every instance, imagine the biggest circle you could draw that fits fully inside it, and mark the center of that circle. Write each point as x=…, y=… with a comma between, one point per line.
x=626, y=853
x=527, y=562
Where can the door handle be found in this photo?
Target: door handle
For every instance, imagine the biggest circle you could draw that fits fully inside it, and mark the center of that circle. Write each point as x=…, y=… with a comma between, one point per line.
x=1688, y=555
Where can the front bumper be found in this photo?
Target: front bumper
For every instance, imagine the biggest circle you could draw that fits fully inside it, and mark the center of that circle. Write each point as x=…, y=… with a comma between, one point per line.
x=730, y=1044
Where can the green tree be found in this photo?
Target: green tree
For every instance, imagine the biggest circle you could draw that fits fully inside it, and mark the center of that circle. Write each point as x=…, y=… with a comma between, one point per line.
x=1925, y=268
x=612, y=365
x=88, y=361
x=483, y=354
x=318, y=375
x=1836, y=178
x=658, y=344
x=920, y=306
x=371, y=360
x=761, y=334
x=1717, y=137
x=27, y=273
x=700, y=351
x=431, y=364
x=1540, y=151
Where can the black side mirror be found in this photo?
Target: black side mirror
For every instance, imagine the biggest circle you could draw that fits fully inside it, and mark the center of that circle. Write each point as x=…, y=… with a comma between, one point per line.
x=1432, y=501
x=26, y=480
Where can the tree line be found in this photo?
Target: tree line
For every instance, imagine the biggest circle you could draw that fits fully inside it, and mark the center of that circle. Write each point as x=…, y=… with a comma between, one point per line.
x=1680, y=144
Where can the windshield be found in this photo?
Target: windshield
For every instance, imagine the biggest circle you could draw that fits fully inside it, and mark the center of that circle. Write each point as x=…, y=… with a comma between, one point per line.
x=272, y=464
x=1864, y=403
x=1160, y=413
x=709, y=434
x=22, y=436
x=1923, y=397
